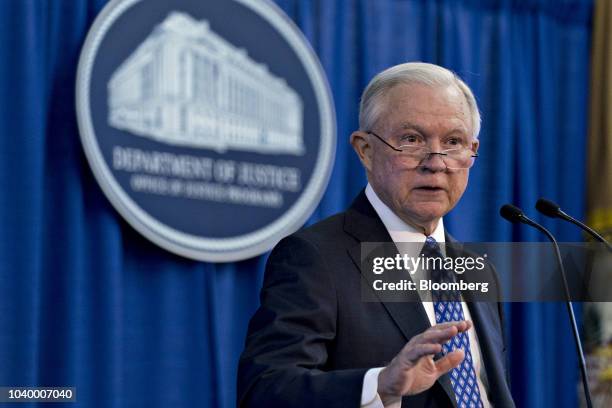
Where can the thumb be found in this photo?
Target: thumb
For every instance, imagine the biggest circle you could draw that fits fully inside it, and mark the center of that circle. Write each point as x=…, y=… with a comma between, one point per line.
x=449, y=361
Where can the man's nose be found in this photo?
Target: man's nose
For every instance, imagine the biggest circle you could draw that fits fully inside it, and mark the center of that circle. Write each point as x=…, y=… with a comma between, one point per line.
x=433, y=162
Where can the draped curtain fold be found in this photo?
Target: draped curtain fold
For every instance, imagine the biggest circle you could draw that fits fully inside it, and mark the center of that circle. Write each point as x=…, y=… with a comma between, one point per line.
x=85, y=301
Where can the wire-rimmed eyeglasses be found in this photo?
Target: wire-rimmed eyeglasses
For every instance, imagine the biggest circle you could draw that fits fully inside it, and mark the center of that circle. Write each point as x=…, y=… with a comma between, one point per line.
x=455, y=158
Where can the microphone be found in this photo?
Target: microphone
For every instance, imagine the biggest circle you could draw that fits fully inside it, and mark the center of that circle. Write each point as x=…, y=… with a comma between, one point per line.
x=553, y=210
x=516, y=215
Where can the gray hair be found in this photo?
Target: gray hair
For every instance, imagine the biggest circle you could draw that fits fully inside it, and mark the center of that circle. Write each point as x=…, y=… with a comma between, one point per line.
x=432, y=75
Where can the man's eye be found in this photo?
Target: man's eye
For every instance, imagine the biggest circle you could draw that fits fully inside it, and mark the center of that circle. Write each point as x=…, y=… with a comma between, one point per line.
x=454, y=141
x=410, y=139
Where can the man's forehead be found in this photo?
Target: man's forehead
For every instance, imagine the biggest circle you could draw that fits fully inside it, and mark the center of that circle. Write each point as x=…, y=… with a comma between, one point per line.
x=457, y=128
x=415, y=106
x=425, y=98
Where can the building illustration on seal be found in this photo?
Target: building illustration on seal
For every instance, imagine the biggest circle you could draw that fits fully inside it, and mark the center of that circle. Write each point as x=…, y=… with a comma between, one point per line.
x=186, y=85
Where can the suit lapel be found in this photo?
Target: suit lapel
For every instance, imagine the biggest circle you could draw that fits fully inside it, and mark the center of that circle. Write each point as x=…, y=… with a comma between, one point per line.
x=482, y=316
x=364, y=224
x=408, y=315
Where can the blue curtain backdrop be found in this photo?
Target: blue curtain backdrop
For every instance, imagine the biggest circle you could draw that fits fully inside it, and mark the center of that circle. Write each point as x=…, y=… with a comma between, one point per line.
x=85, y=301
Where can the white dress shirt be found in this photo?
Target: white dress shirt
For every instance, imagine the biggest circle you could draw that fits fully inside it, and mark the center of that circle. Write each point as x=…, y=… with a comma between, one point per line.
x=402, y=232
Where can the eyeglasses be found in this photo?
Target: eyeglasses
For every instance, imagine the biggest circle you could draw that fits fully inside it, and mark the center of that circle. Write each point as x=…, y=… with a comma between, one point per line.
x=456, y=158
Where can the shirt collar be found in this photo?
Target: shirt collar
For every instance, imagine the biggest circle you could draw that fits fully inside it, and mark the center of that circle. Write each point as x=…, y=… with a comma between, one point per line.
x=399, y=230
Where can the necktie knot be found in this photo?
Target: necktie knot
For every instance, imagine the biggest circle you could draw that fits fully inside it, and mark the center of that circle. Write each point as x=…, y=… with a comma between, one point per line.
x=431, y=247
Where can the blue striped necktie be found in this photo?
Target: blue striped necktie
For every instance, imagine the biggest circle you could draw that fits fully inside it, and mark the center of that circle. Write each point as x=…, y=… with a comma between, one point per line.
x=447, y=307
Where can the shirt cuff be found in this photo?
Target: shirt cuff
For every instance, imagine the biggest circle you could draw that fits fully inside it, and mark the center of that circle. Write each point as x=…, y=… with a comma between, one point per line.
x=369, y=391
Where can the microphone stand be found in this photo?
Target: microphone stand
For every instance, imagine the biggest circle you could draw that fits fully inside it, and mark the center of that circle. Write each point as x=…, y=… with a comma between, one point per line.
x=570, y=311
x=514, y=214
x=553, y=210
x=586, y=228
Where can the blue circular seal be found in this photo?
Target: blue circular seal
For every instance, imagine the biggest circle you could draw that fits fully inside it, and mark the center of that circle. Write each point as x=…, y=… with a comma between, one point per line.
x=208, y=125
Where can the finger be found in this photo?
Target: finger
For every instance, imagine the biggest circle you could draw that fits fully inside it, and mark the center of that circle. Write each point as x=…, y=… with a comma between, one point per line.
x=461, y=325
x=421, y=350
x=449, y=361
x=438, y=335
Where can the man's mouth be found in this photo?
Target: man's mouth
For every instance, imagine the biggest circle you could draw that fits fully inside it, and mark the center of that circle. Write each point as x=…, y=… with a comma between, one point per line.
x=430, y=188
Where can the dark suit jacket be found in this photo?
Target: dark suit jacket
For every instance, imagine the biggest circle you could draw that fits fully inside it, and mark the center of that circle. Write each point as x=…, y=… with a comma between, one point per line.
x=312, y=339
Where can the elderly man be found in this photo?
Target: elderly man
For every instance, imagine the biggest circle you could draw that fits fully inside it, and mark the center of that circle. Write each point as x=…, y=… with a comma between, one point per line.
x=314, y=342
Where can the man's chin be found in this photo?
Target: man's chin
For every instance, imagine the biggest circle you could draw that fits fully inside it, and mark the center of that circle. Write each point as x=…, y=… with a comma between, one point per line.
x=431, y=209
x=424, y=218
x=430, y=213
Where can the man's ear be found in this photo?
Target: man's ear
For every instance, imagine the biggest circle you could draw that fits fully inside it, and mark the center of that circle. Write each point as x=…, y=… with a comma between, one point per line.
x=361, y=144
x=475, y=145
